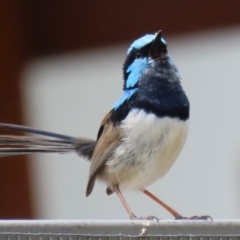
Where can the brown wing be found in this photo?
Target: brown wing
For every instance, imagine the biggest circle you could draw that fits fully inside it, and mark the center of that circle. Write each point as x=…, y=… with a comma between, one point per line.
x=108, y=140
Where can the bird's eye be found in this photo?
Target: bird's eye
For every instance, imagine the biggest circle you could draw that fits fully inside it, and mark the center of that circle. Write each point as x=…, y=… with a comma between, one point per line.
x=138, y=55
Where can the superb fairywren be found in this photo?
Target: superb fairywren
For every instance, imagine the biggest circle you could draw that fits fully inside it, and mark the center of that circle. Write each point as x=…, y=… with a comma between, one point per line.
x=139, y=139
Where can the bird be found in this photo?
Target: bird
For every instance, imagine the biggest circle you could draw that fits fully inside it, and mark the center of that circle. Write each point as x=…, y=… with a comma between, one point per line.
x=139, y=139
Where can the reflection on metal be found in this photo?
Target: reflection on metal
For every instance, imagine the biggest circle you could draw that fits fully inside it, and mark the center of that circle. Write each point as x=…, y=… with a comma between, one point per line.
x=120, y=230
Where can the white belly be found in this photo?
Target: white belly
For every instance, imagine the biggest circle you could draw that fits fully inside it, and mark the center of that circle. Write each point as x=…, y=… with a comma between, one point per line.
x=150, y=147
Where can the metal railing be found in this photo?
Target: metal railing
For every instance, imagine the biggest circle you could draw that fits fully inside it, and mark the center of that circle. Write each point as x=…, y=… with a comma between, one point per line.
x=119, y=230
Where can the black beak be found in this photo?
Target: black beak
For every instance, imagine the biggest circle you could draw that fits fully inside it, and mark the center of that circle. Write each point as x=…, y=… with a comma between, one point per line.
x=157, y=41
x=158, y=47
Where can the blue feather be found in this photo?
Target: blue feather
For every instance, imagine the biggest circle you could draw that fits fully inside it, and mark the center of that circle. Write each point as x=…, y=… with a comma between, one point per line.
x=143, y=41
x=135, y=70
x=125, y=96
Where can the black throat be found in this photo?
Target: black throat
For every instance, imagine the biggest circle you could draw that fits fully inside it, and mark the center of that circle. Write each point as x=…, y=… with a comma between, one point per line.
x=159, y=92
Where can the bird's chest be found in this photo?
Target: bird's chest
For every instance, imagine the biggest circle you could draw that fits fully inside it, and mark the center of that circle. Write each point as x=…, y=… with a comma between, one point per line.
x=149, y=147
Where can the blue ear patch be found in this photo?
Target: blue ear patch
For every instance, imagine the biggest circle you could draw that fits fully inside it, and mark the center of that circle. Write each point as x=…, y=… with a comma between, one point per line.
x=135, y=70
x=143, y=41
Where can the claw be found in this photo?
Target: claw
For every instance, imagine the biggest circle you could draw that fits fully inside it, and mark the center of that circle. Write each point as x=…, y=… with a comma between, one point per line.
x=145, y=218
x=204, y=217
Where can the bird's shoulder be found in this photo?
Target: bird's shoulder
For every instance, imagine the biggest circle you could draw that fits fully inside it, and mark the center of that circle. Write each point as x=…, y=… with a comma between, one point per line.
x=163, y=101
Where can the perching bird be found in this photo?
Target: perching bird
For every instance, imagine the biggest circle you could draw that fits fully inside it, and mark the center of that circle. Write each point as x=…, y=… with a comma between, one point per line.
x=139, y=139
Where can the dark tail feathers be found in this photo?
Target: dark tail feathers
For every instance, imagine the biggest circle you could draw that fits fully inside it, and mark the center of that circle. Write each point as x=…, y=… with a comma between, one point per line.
x=48, y=143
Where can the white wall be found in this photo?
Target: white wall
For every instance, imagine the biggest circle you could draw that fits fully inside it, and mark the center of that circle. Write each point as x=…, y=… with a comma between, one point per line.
x=70, y=94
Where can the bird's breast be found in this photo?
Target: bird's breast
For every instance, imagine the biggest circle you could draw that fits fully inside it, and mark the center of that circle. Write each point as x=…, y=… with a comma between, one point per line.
x=149, y=147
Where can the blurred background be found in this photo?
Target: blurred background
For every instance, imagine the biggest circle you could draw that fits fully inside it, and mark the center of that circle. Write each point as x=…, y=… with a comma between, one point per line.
x=61, y=71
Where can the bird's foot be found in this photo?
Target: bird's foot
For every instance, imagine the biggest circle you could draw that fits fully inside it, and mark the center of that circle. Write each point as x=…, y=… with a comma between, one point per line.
x=204, y=217
x=133, y=217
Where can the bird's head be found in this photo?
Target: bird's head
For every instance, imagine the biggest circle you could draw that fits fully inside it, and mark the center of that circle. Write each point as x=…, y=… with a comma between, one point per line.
x=147, y=49
x=147, y=67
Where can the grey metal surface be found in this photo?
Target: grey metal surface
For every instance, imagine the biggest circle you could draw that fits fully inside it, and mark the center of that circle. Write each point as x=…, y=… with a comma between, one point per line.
x=119, y=230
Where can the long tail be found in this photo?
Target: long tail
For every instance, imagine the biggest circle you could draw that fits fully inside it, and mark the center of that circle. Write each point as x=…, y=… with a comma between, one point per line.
x=46, y=142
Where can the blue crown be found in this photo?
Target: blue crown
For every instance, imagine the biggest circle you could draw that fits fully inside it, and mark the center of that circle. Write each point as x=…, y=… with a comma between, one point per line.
x=143, y=41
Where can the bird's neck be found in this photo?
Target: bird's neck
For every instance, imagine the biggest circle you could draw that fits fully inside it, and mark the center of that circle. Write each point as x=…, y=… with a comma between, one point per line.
x=158, y=91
